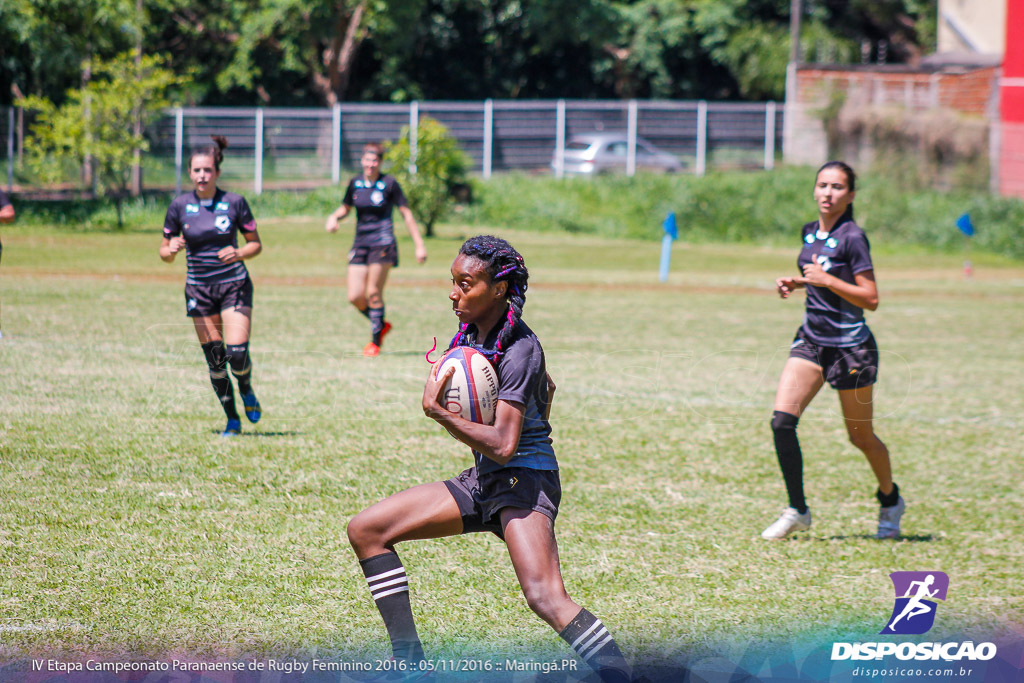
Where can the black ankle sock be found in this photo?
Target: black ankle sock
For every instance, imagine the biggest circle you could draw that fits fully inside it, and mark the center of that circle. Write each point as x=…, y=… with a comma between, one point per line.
x=389, y=587
x=791, y=461
x=592, y=641
x=887, y=501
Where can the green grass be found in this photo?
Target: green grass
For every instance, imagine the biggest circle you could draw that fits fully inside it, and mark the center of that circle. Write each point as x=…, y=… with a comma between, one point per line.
x=129, y=528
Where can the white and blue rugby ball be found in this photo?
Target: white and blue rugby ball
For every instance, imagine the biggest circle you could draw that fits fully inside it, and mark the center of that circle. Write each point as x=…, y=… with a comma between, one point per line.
x=472, y=390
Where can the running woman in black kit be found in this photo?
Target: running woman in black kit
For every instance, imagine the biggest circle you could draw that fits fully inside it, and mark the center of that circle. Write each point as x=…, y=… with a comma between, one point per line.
x=374, y=251
x=6, y=216
x=835, y=345
x=512, y=490
x=218, y=291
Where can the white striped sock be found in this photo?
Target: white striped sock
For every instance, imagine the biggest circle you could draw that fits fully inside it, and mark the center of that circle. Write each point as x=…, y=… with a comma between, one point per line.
x=388, y=583
x=592, y=640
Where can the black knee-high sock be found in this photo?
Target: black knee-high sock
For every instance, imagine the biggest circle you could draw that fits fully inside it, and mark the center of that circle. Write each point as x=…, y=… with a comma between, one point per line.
x=241, y=366
x=791, y=461
x=376, y=323
x=389, y=587
x=217, y=360
x=365, y=312
x=592, y=641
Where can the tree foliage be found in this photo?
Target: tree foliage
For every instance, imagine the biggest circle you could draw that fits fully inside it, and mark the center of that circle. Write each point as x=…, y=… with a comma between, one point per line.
x=440, y=165
x=309, y=52
x=96, y=122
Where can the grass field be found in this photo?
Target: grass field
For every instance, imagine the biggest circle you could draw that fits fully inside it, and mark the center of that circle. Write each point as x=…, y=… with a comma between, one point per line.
x=129, y=528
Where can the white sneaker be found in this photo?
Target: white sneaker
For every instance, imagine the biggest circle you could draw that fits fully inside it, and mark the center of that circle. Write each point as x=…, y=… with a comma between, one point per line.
x=790, y=521
x=889, y=520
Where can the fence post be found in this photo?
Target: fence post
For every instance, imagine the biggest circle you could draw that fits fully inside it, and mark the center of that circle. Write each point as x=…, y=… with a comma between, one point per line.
x=631, y=116
x=769, y=136
x=702, y=136
x=560, y=139
x=414, y=134
x=179, y=143
x=488, y=136
x=336, y=143
x=10, y=149
x=258, y=181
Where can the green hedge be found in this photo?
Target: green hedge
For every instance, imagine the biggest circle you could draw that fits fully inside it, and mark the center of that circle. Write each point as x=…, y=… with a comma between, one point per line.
x=758, y=207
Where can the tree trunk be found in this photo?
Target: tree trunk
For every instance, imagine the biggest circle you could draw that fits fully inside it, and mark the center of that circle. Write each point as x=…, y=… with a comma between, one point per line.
x=331, y=77
x=136, y=183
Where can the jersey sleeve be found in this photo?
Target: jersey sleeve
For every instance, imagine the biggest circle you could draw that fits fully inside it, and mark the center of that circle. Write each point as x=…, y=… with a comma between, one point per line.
x=397, y=196
x=520, y=369
x=245, y=219
x=859, y=253
x=350, y=195
x=172, y=221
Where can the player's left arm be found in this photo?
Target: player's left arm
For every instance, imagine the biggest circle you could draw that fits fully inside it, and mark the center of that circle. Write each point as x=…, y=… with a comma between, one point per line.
x=414, y=232
x=252, y=247
x=863, y=292
x=498, y=441
x=7, y=213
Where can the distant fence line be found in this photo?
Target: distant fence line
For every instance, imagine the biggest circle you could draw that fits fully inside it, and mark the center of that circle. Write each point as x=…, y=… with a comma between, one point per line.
x=312, y=146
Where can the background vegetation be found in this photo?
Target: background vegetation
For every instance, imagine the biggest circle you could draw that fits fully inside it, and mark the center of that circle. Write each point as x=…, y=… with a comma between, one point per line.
x=316, y=52
x=756, y=208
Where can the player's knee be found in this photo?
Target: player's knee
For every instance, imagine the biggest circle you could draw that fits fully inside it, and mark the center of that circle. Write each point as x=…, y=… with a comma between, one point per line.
x=544, y=599
x=216, y=359
x=357, y=299
x=862, y=438
x=784, y=421
x=238, y=357
x=363, y=532
x=375, y=298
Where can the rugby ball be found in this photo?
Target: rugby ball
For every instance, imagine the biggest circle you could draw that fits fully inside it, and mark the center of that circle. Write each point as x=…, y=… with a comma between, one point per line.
x=472, y=390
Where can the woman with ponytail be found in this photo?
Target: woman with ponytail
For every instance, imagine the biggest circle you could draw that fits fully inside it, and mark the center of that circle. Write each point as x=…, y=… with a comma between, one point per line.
x=218, y=292
x=512, y=490
x=835, y=345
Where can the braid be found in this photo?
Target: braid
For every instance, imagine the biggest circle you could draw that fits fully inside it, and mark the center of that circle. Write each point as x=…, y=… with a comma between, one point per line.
x=503, y=264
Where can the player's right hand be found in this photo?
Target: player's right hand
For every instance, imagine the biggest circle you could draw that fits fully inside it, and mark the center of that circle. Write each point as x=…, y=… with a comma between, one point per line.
x=176, y=244
x=332, y=223
x=785, y=285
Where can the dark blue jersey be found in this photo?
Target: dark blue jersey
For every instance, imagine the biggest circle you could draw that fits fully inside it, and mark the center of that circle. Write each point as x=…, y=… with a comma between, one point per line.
x=522, y=378
x=208, y=226
x=843, y=252
x=374, y=203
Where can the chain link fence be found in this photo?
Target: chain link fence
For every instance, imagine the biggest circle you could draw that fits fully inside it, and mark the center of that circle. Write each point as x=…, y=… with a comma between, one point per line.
x=306, y=148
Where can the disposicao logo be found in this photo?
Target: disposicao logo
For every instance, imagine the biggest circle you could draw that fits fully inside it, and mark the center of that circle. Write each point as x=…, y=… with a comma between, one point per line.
x=913, y=613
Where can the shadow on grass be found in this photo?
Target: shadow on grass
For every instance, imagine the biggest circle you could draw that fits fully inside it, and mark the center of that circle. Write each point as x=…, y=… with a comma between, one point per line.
x=257, y=434
x=912, y=538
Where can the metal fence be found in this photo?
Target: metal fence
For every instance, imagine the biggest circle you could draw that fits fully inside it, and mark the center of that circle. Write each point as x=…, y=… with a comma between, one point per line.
x=296, y=148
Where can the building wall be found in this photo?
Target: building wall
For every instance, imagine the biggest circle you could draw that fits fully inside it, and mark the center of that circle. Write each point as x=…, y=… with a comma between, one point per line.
x=972, y=26
x=971, y=91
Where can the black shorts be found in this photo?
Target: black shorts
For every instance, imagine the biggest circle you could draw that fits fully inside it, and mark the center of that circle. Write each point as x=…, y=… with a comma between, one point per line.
x=847, y=367
x=206, y=300
x=481, y=498
x=362, y=255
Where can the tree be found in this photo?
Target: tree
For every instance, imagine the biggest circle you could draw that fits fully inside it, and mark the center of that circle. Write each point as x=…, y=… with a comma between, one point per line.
x=440, y=165
x=97, y=121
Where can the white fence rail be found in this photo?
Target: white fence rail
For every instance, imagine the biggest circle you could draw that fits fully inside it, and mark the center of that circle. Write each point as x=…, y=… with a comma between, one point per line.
x=287, y=147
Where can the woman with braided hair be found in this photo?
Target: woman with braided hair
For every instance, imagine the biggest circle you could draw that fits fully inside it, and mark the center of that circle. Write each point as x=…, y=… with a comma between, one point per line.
x=512, y=490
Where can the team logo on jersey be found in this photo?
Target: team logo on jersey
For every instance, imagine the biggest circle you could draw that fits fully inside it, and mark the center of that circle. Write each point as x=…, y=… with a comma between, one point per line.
x=377, y=197
x=222, y=223
x=222, y=206
x=831, y=243
x=512, y=481
x=913, y=612
x=809, y=238
x=824, y=262
x=191, y=208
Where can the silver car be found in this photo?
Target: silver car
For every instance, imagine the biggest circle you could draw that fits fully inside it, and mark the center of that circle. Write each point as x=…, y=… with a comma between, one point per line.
x=596, y=153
